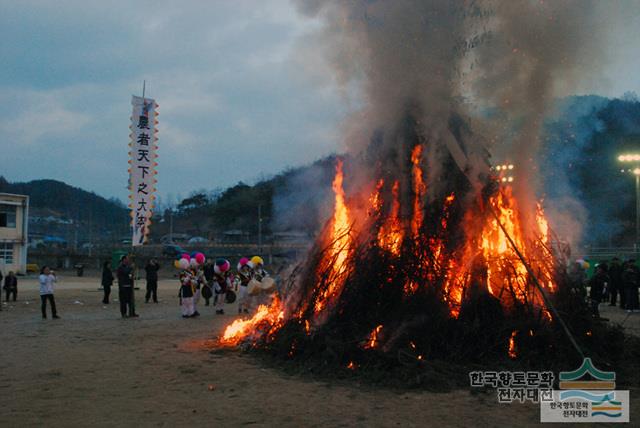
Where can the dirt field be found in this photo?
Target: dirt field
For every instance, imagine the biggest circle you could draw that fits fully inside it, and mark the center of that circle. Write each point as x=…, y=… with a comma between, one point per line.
x=93, y=368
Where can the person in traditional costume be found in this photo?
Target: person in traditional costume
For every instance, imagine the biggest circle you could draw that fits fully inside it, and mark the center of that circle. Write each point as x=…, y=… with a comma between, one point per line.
x=187, y=289
x=257, y=268
x=242, y=280
x=222, y=283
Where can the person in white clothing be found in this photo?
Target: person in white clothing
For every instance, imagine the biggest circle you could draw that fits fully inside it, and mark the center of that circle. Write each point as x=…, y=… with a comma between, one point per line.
x=47, y=280
x=187, y=282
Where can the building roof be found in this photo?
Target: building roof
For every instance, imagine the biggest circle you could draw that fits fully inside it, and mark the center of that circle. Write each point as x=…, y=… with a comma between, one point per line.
x=13, y=196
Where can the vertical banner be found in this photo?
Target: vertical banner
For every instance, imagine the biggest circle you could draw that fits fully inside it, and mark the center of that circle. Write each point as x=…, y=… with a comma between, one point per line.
x=142, y=166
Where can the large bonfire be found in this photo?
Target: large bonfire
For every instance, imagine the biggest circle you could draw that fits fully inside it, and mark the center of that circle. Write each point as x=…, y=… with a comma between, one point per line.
x=430, y=254
x=464, y=275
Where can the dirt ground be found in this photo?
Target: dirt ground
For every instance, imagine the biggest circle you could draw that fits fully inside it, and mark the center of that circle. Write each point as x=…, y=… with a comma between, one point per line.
x=93, y=368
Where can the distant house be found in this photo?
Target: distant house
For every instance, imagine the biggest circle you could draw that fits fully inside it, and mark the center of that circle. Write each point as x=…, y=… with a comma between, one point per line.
x=14, y=236
x=195, y=240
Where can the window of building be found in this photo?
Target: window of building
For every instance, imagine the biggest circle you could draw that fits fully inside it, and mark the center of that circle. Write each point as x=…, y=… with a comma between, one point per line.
x=6, y=252
x=8, y=215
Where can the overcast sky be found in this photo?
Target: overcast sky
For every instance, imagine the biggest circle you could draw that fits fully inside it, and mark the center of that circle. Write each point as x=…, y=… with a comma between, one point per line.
x=231, y=78
x=234, y=101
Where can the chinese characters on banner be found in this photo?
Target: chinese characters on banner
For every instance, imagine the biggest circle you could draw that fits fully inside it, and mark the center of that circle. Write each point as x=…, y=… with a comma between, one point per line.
x=142, y=166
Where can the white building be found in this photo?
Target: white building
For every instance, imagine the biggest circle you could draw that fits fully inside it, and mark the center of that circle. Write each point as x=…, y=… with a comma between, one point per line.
x=14, y=215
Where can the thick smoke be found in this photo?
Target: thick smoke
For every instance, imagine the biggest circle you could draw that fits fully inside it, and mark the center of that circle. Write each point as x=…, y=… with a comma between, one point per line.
x=492, y=66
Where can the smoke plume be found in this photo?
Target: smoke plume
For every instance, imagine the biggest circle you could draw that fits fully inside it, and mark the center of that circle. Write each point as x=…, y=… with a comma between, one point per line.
x=474, y=76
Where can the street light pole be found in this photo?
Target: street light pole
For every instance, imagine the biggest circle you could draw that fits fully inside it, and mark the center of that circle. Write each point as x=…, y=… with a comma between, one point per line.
x=634, y=158
x=637, y=206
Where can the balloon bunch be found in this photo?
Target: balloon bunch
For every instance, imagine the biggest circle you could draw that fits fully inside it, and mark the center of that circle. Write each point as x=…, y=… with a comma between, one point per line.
x=221, y=266
x=243, y=262
x=192, y=260
x=255, y=262
x=583, y=263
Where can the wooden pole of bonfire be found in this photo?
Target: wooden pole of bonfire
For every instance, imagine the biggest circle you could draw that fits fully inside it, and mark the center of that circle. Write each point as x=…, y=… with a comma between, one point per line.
x=533, y=276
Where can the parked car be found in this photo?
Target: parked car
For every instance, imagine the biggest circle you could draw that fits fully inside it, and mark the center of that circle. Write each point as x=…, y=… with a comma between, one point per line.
x=197, y=240
x=172, y=250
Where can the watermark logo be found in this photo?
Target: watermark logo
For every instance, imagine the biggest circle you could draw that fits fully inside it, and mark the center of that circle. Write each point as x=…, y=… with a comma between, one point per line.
x=601, y=379
x=586, y=394
x=516, y=386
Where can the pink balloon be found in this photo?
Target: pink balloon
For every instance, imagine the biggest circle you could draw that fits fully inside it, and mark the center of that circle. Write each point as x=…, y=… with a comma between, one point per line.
x=200, y=258
x=186, y=256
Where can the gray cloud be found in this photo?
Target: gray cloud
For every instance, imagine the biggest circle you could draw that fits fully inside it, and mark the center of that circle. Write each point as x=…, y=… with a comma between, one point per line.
x=234, y=103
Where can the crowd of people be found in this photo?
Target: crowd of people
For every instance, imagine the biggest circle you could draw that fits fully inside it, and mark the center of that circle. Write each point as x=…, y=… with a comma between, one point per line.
x=215, y=282
x=610, y=280
x=199, y=278
x=46, y=279
x=613, y=282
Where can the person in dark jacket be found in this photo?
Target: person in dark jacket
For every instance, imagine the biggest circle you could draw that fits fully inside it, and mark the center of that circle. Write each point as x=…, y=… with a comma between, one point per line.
x=615, y=281
x=11, y=286
x=107, y=281
x=577, y=278
x=208, y=272
x=152, y=269
x=125, y=288
x=631, y=280
x=597, y=288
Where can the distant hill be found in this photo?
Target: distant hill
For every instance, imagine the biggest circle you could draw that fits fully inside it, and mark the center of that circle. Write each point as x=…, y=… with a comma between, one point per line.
x=578, y=159
x=57, y=208
x=292, y=201
x=581, y=171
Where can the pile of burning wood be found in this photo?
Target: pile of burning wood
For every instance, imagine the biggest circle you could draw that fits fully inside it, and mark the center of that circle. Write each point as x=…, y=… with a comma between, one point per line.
x=400, y=275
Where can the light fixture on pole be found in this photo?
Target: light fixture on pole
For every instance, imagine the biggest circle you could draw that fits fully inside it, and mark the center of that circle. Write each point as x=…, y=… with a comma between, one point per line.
x=635, y=170
x=504, y=173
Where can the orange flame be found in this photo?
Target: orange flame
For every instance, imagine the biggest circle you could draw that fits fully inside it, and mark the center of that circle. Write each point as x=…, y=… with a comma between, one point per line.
x=506, y=276
x=419, y=190
x=341, y=245
x=270, y=317
x=512, y=345
x=543, y=224
x=376, y=199
x=391, y=233
x=501, y=258
x=372, y=340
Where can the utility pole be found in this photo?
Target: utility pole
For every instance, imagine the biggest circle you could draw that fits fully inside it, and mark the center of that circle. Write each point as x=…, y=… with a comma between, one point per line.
x=171, y=225
x=90, y=232
x=259, y=227
x=637, y=209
